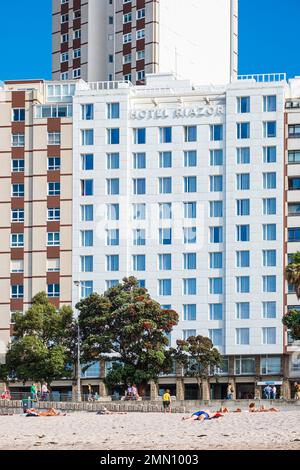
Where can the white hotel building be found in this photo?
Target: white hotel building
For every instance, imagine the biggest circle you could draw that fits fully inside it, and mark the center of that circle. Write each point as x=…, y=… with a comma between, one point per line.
x=184, y=188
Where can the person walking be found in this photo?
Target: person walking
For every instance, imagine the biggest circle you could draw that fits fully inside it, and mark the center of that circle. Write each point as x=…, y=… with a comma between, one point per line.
x=230, y=392
x=297, y=389
x=167, y=401
x=274, y=392
x=267, y=392
x=45, y=391
x=33, y=392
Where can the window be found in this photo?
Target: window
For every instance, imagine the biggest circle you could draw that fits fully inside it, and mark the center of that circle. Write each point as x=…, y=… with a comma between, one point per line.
x=53, y=265
x=17, y=165
x=216, y=337
x=113, y=136
x=87, y=162
x=186, y=334
x=270, y=232
x=165, y=236
x=243, y=155
x=243, y=181
x=294, y=156
x=17, y=291
x=215, y=312
x=189, y=235
x=190, y=286
x=294, y=183
x=140, y=55
x=86, y=289
x=18, y=140
x=113, y=237
x=139, y=211
x=269, y=206
x=243, y=104
x=139, y=161
x=139, y=186
x=243, y=284
x=216, y=208
x=165, y=287
x=165, y=185
x=245, y=366
x=127, y=59
x=87, y=112
x=269, y=180
x=53, y=290
x=243, y=207
x=243, y=259
x=87, y=137
x=243, y=311
x=270, y=104
x=270, y=154
x=139, y=262
x=189, y=261
x=270, y=365
x=53, y=239
x=140, y=14
x=140, y=75
x=269, y=283
x=86, y=238
x=190, y=184
x=216, y=157
x=140, y=34
x=216, y=260
x=139, y=237
x=216, y=183
x=113, y=211
x=165, y=211
x=242, y=336
x=18, y=114
x=111, y=283
x=87, y=187
x=113, y=110
x=113, y=161
x=139, y=136
x=294, y=208
x=190, y=210
x=77, y=34
x=269, y=258
x=53, y=138
x=113, y=186
x=87, y=213
x=165, y=159
x=294, y=131
x=17, y=190
x=189, y=312
x=17, y=215
x=216, y=234
x=269, y=129
x=17, y=266
x=243, y=233
x=165, y=262
x=17, y=240
x=112, y=263
x=243, y=130
x=269, y=310
x=190, y=133
x=53, y=163
x=165, y=135
x=127, y=18
x=269, y=335
x=216, y=285
x=216, y=132
x=64, y=18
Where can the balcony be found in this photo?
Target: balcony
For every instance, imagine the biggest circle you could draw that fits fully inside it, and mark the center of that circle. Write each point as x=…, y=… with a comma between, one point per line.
x=264, y=77
x=105, y=86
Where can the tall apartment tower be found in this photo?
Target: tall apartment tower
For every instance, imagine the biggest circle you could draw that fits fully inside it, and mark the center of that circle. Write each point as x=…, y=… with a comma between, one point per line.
x=106, y=40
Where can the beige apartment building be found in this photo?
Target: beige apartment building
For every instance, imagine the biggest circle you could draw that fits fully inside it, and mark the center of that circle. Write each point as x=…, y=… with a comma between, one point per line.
x=106, y=40
x=35, y=195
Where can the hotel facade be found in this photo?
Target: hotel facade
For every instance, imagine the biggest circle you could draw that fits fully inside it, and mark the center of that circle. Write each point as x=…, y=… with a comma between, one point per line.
x=100, y=40
x=192, y=189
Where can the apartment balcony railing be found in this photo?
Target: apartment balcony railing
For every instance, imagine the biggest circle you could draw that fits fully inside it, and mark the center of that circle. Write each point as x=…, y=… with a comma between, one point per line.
x=292, y=104
x=104, y=86
x=264, y=77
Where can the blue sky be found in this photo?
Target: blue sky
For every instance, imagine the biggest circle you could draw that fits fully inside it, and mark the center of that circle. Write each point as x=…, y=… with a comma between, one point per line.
x=269, y=38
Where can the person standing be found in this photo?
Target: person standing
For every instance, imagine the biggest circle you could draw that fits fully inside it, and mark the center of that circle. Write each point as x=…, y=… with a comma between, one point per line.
x=297, y=391
x=274, y=392
x=135, y=393
x=230, y=392
x=45, y=391
x=167, y=401
x=267, y=392
x=33, y=392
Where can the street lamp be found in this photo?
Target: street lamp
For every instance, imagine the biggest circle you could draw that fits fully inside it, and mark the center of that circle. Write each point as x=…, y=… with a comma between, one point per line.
x=77, y=284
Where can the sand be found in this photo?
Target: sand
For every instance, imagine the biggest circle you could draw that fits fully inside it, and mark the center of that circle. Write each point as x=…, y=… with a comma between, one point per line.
x=151, y=431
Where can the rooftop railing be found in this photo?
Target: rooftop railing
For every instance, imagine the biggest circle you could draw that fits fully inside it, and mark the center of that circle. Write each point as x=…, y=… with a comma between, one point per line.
x=264, y=77
x=103, y=86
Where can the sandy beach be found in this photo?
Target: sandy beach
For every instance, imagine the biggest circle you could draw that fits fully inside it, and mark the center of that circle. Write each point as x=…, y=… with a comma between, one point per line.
x=151, y=431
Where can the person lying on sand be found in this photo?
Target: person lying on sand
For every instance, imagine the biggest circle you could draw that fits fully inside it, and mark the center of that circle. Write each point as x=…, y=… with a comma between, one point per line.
x=225, y=410
x=50, y=412
x=202, y=416
x=105, y=411
x=252, y=409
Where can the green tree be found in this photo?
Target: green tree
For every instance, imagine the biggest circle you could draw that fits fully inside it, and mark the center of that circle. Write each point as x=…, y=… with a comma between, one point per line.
x=126, y=324
x=292, y=321
x=197, y=355
x=43, y=345
x=292, y=272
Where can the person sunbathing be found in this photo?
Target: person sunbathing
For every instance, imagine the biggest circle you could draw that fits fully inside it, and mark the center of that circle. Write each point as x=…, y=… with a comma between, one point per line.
x=263, y=409
x=202, y=415
x=50, y=412
x=105, y=411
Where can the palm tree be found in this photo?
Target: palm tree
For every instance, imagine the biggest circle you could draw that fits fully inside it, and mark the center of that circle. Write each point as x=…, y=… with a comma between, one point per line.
x=292, y=272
